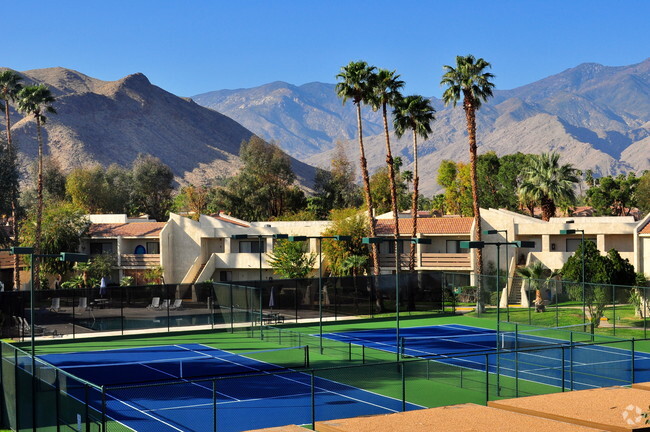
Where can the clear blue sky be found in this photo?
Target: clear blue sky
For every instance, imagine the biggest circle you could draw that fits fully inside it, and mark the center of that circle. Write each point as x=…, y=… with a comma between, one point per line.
x=190, y=47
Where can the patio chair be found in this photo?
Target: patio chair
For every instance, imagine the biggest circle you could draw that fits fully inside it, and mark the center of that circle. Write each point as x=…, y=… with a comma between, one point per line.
x=56, y=304
x=178, y=304
x=155, y=303
x=164, y=304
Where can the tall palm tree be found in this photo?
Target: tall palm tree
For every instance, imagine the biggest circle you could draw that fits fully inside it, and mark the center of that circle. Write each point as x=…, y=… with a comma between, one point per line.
x=385, y=87
x=9, y=87
x=470, y=80
x=36, y=100
x=547, y=182
x=414, y=113
x=354, y=83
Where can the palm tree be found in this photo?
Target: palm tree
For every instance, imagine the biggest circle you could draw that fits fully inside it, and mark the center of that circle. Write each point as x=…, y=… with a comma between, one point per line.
x=354, y=83
x=534, y=273
x=385, y=87
x=470, y=80
x=547, y=182
x=35, y=100
x=413, y=113
x=9, y=88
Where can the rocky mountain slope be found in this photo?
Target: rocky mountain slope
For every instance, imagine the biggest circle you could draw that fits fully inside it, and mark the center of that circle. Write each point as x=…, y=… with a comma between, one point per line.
x=598, y=117
x=112, y=121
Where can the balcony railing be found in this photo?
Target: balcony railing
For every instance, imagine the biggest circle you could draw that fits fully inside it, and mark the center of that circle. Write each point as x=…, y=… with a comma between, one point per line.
x=139, y=260
x=460, y=261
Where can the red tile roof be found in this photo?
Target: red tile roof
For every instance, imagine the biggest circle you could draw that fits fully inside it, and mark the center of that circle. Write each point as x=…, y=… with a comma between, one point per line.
x=645, y=229
x=443, y=225
x=130, y=229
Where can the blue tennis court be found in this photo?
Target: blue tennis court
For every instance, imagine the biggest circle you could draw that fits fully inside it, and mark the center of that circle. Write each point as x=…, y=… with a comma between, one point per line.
x=249, y=393
x=542, y=359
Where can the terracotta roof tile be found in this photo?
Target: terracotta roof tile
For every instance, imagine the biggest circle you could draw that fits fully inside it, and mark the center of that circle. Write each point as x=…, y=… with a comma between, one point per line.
x=645, y=229
x=452, y=225
x=130, y=229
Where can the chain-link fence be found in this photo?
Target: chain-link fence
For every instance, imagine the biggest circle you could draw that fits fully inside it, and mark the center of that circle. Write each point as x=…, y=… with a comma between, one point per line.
x=217, y=305
x=617, y=310
x=38, y=396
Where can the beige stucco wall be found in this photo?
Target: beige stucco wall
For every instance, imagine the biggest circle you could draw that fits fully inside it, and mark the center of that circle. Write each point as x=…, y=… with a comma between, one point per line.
x=645, y=255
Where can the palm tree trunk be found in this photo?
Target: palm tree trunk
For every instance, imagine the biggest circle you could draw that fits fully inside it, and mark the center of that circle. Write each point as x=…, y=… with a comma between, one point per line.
x=470, y=116
x=393, y=188
x=414, y=202
x=366, y=188
x=14, y=203
x=39, y=209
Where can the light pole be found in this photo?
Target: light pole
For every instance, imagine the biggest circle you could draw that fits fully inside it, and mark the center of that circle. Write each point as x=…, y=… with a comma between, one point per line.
x=320, y=274
x=507, y=266
x=582, y=256
x=377, y=240
x=481, y=245
x=259, y=238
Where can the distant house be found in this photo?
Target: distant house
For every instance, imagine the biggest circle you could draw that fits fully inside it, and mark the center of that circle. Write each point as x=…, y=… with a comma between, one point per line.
x=134, y=242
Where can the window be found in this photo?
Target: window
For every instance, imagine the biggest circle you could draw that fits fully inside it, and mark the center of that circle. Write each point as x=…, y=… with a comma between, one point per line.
x=153, y=247
x=225, y=276
x=572, y=245
x=251, y=246
x=453, y=246
x=101, y=248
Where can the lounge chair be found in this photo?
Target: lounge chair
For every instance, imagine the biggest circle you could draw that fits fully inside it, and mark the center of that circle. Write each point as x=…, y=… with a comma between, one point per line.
x=164, y=304
x=178, y=304
x=56, y=304
x=155, y=303
x=38, y=330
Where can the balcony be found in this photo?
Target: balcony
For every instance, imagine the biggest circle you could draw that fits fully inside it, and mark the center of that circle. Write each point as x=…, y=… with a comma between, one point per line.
x=430, y=261
x=139, y=260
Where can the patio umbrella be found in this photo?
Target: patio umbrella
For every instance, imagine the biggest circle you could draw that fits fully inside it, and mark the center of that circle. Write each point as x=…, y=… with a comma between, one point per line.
x=272, y=298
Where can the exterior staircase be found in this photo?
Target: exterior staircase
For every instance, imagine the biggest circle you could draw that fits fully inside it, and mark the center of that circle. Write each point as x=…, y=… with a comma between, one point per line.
x=198, y=273
x=514, y=299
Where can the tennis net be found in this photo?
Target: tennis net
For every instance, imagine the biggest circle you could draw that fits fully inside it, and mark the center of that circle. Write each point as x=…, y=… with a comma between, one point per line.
x=200, y=365
x=511, y=336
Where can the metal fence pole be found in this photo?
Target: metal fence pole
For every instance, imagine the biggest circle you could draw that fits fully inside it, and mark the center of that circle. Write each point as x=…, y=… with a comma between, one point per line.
x=313, y=401
x=563, y=369
x=632, y=369
x=103, y=409
x=214, y=405
x=403, y=374
x=614, y=308
x=487, y=379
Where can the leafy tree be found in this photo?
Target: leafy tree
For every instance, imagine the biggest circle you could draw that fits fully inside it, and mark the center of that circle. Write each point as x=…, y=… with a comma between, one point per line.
x=385, y=89
x=152, y=186
x=101, y=265
x=62, y=228
x=345, y=222
x=455, y=178
x=88, y=189
x=613, y=195
x=10, y=86
x=290, y=261
x=510, y=177
x=36, y=100
x=470, y=80
x=547, y=182
x=355, y=84
x=264, y=188
x=335, y=189
x=600, y=271
x=192, y=199
x=380, y=190
x=643, y=192
x=120, y=183
x=413, y=113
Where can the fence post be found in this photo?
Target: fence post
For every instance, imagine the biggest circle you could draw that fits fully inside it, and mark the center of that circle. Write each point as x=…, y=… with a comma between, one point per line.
x=563, y=369
x=403, y=374
x=614, y=308
x=214, y=405
x=571, y=361
x=57, y=402
x=487, y=379
x=16, y=387
x=313, y=402
x=86, y=410
x=103, y=409
x=122, y=289
x=632, y=370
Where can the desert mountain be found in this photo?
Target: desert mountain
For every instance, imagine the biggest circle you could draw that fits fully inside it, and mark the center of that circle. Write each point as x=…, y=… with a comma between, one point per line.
x=113, y=121
x=597, y=117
